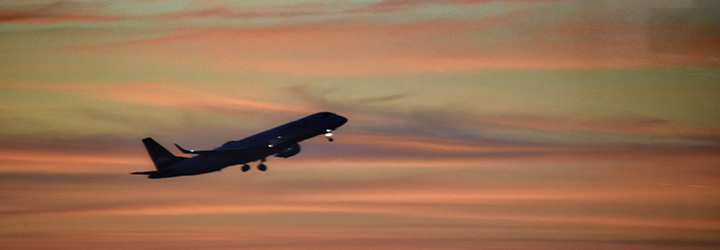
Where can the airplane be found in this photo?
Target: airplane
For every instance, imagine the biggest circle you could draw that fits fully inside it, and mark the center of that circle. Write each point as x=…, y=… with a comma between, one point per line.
x=282, y=141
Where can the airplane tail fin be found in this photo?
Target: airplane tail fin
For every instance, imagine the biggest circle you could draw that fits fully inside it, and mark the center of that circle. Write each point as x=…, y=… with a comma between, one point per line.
x=160, y=156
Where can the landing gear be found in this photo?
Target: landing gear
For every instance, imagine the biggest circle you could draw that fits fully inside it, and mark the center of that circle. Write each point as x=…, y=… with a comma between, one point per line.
x=328, y=134
x=246, y=167
x=261, y=166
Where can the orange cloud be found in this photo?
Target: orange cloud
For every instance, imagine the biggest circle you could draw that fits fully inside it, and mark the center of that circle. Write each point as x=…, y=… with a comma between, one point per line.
x=399, y=5
x=10, y=155
x=332, y=49
x=618, y=197
x=435, y=46
x=435, y=144
x=269, y=11
x=610, y=125
x=14, y=16
x=69, y=161
x=169, y=95
x=172, y=96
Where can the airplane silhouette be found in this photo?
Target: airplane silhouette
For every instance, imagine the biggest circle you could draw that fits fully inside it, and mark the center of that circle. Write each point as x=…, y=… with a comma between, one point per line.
x=281, y=141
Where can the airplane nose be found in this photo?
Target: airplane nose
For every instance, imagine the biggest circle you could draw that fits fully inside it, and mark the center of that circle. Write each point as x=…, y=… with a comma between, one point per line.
x=341, y=120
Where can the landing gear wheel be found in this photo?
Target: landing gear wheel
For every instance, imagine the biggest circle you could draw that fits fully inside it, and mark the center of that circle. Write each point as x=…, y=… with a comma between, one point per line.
x=262, y=167
x=245, y=167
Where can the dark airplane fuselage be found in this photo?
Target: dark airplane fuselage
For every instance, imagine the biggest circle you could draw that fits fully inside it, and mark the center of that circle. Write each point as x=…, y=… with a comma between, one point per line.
x=281, y=141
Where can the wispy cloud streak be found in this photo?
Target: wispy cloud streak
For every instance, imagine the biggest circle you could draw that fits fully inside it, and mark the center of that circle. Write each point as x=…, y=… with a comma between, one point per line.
x=167, y=95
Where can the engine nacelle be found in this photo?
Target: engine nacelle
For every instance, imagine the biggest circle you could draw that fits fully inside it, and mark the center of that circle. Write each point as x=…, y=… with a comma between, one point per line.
x=289, y=151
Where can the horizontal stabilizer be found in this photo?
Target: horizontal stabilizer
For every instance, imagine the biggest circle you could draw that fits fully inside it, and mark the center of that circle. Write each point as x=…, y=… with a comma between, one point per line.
x=146, y=173
x=156, y=174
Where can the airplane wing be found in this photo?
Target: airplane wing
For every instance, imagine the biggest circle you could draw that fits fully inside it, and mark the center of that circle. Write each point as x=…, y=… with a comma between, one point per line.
x=214, y=151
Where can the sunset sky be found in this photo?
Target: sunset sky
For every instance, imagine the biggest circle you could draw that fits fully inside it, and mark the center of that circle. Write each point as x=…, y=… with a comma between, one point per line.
x=473, y=124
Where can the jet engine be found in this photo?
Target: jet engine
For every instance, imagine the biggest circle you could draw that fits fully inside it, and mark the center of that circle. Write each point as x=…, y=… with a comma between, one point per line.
x=289, y=151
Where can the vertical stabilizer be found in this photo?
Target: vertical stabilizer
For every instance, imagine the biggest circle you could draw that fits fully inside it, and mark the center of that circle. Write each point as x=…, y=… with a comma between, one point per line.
x=160, y=156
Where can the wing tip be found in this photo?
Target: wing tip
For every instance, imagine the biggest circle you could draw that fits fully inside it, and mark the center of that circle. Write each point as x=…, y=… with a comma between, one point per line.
x=185, y=151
